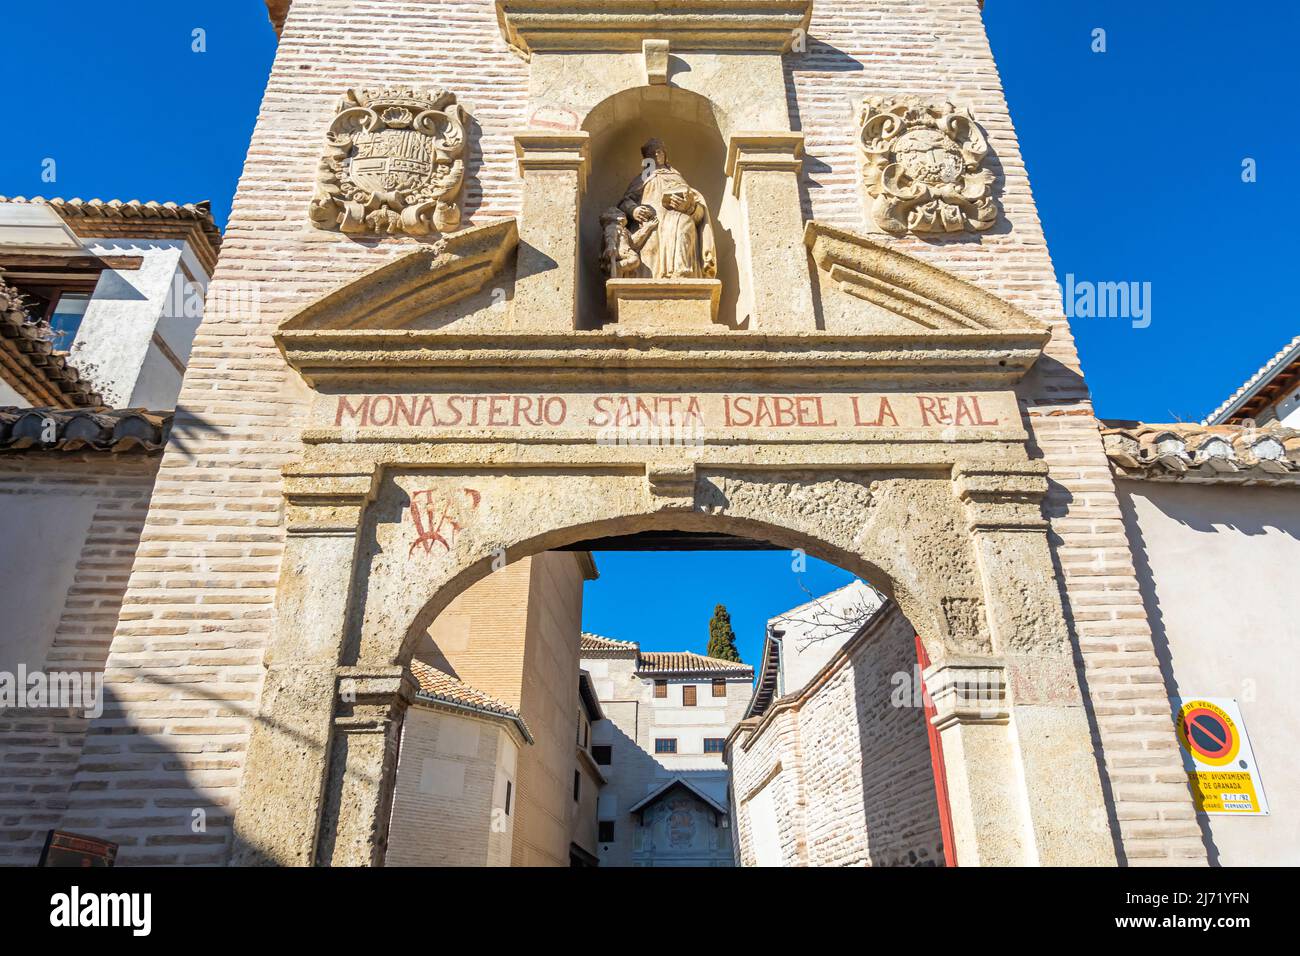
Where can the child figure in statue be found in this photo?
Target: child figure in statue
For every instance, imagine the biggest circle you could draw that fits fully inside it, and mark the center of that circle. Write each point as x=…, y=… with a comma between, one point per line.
x=620, y=256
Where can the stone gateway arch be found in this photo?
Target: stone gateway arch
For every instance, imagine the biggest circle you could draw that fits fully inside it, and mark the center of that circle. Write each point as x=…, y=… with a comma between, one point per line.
x=877, y=372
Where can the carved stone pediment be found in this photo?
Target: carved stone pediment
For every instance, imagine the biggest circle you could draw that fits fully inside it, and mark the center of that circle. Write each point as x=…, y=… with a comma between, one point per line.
x=543, y=26
x=923, y=166
x=394, y=163
x=948, y=331
x=387, y=298
x=916, y=291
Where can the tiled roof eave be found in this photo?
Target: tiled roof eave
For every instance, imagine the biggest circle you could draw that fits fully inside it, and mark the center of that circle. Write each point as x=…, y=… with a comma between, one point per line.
x=1204, y=454
x=455, y=704
x=29, y=362
x=116, y=430
x=1253, y=385
x=716, y=672
x=89, y=217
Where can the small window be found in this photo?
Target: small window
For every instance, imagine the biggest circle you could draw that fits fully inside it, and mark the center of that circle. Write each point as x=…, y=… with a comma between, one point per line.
x=605, y=831
x=688, y=695
x=665, y=745
x=719, y=687
x=577, y=783
x=661, y=688
x=714, y=745
x=603, y=754
x=66, y=320
x=509, y=793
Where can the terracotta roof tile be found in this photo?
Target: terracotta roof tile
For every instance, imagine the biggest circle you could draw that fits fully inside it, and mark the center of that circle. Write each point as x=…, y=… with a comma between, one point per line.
x=83, y=429
x=1221, y=454
x=439, y=686
x=685, y=662
x=594, y=642
x=130, y=210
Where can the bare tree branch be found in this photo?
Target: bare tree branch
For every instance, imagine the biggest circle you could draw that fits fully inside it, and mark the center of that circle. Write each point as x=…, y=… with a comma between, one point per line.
x=825, y=620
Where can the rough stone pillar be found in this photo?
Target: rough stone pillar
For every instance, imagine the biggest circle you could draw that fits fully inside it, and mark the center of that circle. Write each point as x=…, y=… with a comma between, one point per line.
x=363, y=765
x=986, y=793
x=289, y=750
x=764, y=170
x=1049, y=719
x=553, y=167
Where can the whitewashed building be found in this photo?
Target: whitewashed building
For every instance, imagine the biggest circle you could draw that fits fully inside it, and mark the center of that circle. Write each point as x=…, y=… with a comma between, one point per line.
x=667, y=716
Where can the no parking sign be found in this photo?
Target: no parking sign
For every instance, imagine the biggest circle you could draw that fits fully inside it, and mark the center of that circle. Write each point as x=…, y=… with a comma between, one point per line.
x=1222, y=770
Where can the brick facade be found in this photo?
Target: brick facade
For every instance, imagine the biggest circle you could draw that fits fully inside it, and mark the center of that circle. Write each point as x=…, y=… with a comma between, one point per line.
x=844, y=798
x=199, y=605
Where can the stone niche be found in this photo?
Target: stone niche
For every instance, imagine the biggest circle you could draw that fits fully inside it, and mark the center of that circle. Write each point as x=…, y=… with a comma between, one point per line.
x=709, y=82
x=693, y=145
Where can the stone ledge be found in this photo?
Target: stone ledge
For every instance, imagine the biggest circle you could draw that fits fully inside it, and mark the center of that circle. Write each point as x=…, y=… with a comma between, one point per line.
x=655, y=305
x=599, y=26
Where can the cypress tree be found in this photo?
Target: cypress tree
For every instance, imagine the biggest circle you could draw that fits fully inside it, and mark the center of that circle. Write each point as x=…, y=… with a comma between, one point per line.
x=722, y=639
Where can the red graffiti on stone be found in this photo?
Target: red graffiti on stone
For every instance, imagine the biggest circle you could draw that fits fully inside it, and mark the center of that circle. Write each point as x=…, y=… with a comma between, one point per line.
x=435, y=517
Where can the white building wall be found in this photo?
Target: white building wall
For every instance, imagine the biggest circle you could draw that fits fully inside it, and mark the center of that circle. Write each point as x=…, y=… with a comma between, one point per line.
x=813, y=632
x=764, y=831
x=1217, y=567
x=114, y=346
x=8, y=397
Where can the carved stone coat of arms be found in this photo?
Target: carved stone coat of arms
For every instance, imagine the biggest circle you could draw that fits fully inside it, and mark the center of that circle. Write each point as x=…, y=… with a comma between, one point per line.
x=393, y=164
x=923, y=164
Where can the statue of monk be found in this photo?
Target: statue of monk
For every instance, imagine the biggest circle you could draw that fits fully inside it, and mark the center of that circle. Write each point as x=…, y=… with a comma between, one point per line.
x=682, y=247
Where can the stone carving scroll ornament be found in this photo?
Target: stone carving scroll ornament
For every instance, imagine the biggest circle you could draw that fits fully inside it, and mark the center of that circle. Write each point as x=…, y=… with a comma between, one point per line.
x=923, y=164
x=394, y=163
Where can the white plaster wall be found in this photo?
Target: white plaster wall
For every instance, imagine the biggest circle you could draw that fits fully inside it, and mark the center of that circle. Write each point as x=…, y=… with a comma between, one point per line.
x=763, y=828
x=1288, y=409
x=114, y=346
x=816, y=630
x=43, y=540
x=1217, y=566
x=8, y=397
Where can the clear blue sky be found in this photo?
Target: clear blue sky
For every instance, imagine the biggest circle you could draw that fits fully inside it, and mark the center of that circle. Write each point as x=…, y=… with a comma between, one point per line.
x=1135, y=156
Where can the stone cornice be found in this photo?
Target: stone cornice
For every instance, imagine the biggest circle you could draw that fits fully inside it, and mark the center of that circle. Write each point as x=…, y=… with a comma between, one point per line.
x=968, y=692
x=326, y=504
x=965, y=357
x=615, y=26
x=1003, y=497
x=763, y=151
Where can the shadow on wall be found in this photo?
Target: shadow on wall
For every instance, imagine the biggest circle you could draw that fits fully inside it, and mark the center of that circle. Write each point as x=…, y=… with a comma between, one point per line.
x=1216, y=508
x=160, y=816
x=900, y=809
x=1151, y=602
x=633, y=775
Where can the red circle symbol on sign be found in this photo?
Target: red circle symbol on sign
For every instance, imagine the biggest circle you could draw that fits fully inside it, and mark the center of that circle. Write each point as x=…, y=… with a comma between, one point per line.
x=1208, y=734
